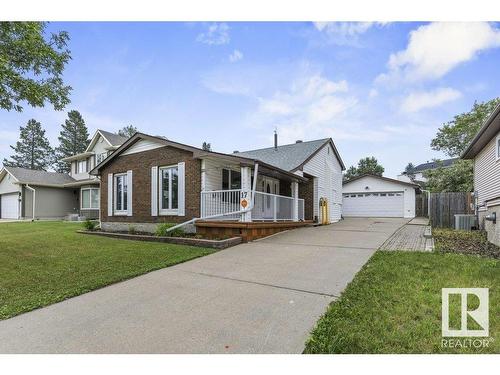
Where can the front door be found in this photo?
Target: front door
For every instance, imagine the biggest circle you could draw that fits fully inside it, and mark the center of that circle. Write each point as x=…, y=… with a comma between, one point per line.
x=270, y=186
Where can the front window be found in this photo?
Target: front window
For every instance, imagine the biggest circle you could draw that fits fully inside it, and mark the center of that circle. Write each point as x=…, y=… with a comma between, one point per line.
x=90, y=199
x=121, y=193
x=169, y=189
x=498, y=147
x=82, y=166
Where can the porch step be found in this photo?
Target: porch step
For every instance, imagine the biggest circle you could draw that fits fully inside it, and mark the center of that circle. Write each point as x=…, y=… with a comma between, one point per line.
x=428, y=232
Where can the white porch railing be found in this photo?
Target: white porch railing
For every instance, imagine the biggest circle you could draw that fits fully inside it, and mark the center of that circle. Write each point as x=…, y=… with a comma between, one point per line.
x=220, y=202
x=268, y=207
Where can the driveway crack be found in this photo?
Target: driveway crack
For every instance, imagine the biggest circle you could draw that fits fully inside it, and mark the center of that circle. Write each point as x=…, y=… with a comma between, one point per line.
x=260, y=283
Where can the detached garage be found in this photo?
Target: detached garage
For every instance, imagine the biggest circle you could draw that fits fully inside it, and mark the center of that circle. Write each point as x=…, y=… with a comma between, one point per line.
x=375, y=196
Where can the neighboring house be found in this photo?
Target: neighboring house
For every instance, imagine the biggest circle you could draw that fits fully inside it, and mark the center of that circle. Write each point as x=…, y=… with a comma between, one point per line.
x=32, y=194
x=484, y=150
x=422, y=168
x=375, y=196
x=150, y=180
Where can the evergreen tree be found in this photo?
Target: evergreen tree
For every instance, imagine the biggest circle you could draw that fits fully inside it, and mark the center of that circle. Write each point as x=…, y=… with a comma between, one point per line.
x=206, y=146
x=127, y=131
x=410, y=171
x=33, y=149
x=73, y=139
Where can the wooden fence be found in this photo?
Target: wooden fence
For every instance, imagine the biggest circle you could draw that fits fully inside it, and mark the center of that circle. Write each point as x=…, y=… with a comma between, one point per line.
x=444, y=207
x=421, y=205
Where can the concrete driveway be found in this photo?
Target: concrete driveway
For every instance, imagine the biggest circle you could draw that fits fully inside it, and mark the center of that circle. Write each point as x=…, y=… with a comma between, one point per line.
x=260, y=297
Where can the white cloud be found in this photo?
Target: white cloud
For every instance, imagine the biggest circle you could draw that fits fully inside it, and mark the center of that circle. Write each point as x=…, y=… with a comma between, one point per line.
x=306, y=110
x=373, y=93
x=344, y=33
x=416, y=101
x=237, y=55
x=436, y=48
x=216, y=34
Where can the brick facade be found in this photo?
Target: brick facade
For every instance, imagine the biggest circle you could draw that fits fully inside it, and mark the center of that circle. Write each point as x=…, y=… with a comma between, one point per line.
x=306, y=192
x=140, y=164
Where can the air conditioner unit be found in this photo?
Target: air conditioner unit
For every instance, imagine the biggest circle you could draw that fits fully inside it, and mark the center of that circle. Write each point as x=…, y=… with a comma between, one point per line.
x=465, y=222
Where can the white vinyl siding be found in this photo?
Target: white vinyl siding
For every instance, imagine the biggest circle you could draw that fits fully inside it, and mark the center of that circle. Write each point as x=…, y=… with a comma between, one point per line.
x=326, y=169
x=487, y=173
x=141, y=146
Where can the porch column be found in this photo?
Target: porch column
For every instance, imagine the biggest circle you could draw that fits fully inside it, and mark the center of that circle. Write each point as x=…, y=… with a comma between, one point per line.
x=246, y=192
x=295, y=195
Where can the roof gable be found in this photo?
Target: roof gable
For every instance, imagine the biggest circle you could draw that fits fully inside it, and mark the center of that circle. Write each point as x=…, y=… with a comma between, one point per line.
x=381, y=178
x=292, y=156
x=113, y=140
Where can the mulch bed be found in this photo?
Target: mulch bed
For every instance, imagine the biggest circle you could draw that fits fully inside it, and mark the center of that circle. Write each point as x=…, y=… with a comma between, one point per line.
x=464, y=242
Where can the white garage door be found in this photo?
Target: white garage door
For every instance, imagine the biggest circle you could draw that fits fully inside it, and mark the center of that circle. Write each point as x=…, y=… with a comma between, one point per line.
x=10, y=206
x=373, y=204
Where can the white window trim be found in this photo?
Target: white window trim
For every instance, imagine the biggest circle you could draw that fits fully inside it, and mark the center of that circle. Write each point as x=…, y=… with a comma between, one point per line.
x=84, y=163
x=167, y=211
x=90, y=199
x=115, y=197
x=497, y=153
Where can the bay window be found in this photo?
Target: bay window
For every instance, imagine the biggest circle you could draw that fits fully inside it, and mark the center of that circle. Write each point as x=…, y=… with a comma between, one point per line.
x=169, y=190
x=89, y=199
x=120, y=193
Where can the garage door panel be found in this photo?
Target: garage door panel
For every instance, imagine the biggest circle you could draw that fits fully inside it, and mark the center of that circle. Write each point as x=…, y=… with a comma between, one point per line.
x=373, y=204
x=10, y=206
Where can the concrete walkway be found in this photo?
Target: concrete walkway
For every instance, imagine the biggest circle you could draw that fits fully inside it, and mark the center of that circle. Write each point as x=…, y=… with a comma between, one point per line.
x=260, y=297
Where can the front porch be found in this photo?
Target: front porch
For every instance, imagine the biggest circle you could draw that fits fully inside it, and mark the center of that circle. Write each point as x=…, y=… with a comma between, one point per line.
x=249, y=199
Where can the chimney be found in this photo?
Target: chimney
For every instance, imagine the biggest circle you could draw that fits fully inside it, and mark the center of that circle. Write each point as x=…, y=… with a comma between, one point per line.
x=298, y=141
x=275, y=140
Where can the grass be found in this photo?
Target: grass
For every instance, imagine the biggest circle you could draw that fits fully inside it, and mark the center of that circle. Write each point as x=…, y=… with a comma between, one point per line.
x=46, y=262
x=393, y=305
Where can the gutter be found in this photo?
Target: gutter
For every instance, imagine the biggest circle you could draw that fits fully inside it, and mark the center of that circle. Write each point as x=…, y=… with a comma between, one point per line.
x=34, y=200
x=250, y=208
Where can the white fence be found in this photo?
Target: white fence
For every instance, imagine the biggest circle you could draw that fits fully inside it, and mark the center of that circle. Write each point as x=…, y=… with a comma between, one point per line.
x=268, y=207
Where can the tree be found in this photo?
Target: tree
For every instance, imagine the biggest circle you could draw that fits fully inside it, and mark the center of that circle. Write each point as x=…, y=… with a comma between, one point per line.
x=206, y=146
x=32, y=65
x=368, y=165
x=33, y=149
x=457, y=177
x=454, y=136
x=127, y=131
x=410, y=171
x=73, y=139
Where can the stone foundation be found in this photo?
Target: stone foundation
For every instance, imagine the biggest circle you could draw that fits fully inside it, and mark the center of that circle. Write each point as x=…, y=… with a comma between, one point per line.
x=493, y=230
x=110, y=226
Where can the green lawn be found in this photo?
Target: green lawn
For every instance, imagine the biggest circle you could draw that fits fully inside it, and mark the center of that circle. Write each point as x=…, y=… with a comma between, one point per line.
x=393, y=305
x=46, y=262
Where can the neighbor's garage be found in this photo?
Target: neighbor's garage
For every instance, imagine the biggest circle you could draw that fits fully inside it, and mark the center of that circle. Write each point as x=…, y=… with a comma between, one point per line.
x=9, y=206
x=375, y=196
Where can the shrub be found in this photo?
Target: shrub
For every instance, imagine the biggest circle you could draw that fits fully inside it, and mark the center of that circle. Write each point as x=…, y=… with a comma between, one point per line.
x=89, y=225
x=161, y=230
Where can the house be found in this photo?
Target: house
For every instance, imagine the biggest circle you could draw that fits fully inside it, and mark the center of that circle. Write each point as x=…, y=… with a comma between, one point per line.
x=150, y=180
x=33, y=194
x=375, y=196
x=420, y=169
x=484, y=150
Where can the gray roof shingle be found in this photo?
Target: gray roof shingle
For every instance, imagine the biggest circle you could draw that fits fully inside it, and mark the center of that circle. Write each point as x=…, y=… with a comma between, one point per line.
x=114, y=139
x=29, y=176
x=435, y=164
x=287, y=157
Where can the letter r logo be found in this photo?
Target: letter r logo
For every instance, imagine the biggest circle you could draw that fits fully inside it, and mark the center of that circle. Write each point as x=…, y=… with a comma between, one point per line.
x=480, y=314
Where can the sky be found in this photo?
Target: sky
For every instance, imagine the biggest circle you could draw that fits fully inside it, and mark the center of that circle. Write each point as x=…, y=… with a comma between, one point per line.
x=377, y=89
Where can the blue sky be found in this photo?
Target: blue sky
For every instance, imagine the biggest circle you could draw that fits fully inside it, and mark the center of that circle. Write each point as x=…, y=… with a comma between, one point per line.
x=376, y=89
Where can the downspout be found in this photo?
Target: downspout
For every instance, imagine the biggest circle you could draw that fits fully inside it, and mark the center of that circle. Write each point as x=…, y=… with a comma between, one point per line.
x=34, y=200
x=254, y=187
